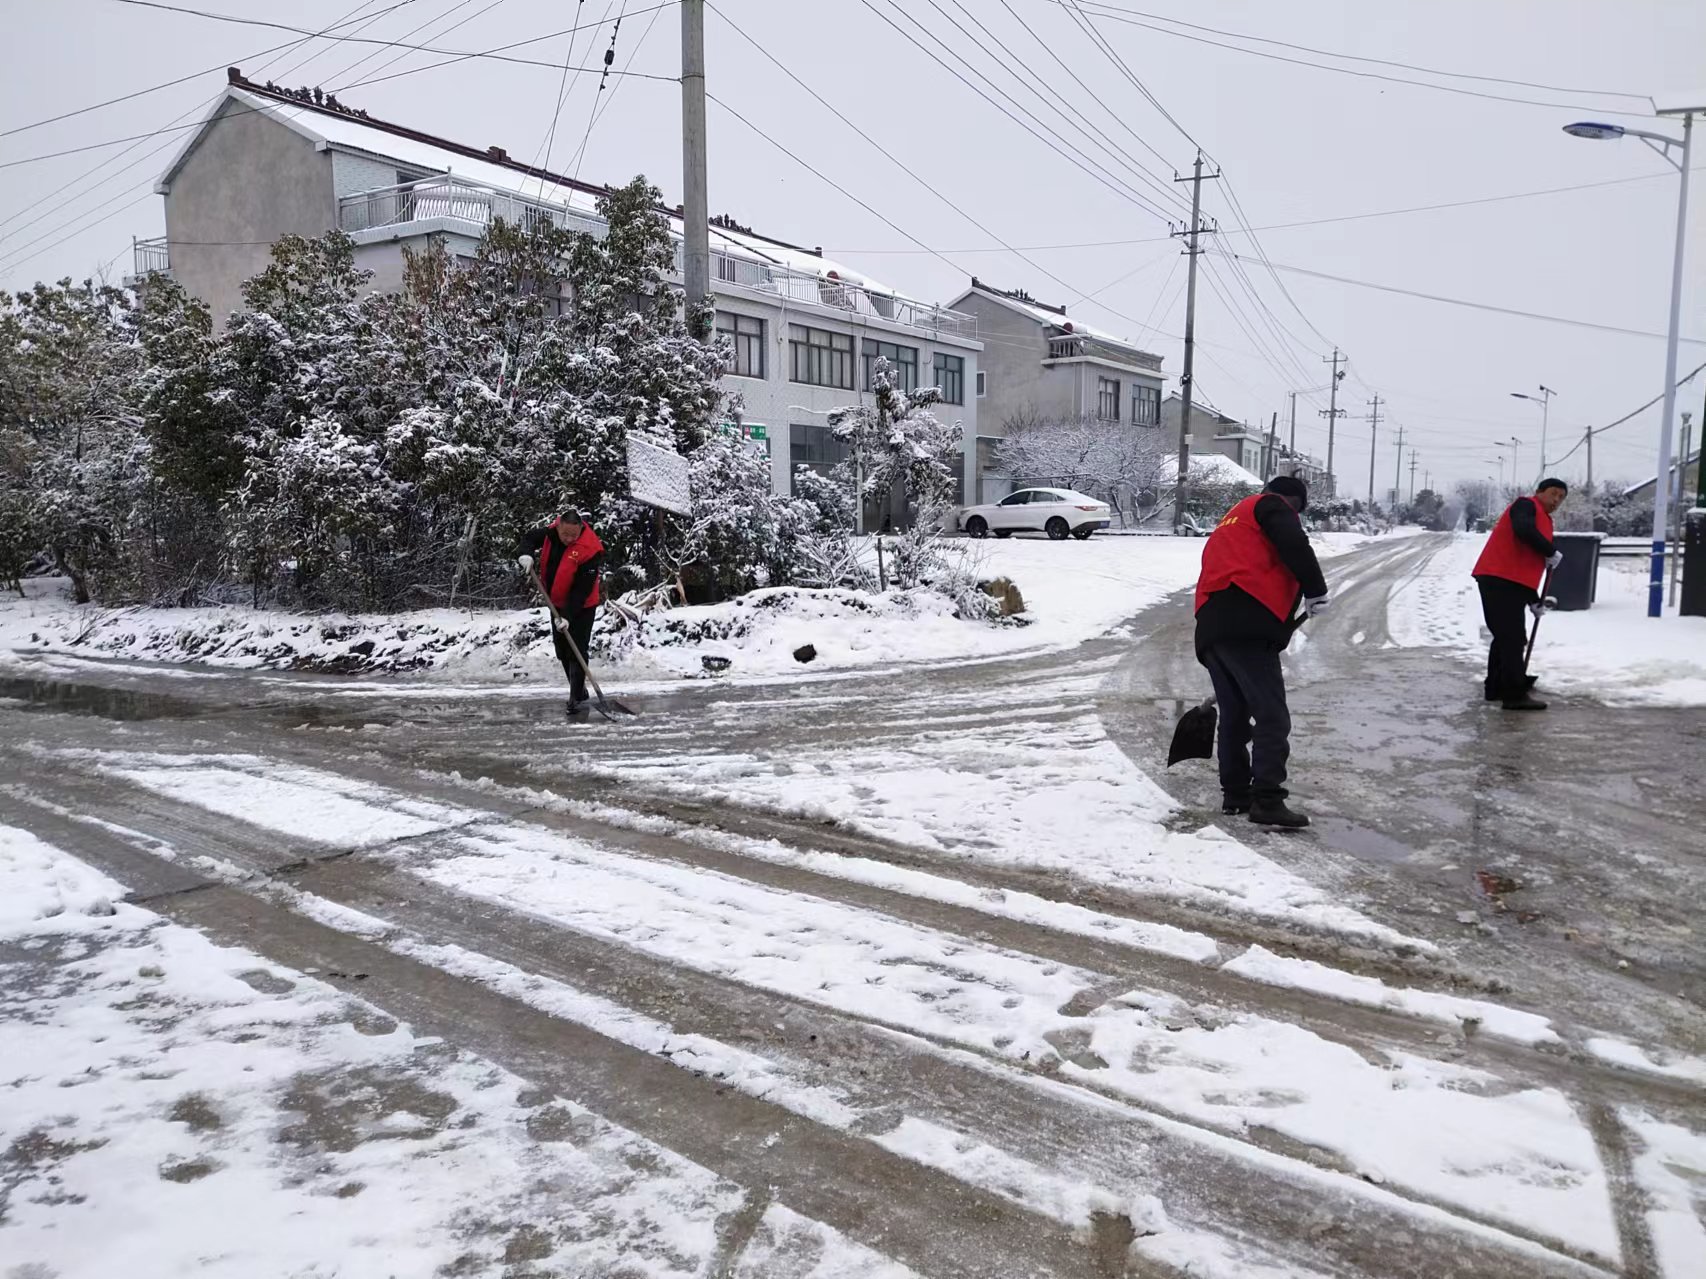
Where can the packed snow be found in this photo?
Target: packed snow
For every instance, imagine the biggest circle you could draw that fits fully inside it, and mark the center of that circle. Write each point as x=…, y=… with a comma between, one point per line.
x=1612, y=652
x=1072, y=591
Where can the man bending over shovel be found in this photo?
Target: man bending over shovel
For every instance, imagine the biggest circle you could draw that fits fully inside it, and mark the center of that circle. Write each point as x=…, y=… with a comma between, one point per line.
x=1256, y=567
x=569, y=557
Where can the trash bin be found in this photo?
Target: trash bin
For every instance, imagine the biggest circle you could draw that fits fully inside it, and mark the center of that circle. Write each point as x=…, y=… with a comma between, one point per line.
x=1575, y=581
x=1694, y=564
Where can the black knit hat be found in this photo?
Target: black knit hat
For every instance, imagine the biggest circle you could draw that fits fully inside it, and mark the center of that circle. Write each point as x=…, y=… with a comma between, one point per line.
x=1290, y=486
x=1551, y=482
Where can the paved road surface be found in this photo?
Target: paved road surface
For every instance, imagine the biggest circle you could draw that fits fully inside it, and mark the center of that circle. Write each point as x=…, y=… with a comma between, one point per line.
x=1570, y=839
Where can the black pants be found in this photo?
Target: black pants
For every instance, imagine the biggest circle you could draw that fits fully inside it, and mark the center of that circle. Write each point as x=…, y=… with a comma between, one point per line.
x=1503, y=605
x=1249, y=690
x=580, y=626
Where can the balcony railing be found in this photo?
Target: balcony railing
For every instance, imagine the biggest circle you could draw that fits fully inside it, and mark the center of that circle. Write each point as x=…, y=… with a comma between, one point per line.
x=456, y=200
x=150, y=256
x=1065, y=348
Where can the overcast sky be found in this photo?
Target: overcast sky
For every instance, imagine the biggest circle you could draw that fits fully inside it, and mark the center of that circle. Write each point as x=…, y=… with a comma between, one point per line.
x=1296, y=144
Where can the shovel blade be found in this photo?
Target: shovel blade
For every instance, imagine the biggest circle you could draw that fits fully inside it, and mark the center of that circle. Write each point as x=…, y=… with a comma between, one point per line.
x=1193, y=735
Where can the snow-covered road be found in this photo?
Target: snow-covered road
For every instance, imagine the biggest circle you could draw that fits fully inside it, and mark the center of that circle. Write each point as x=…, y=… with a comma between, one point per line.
x=908, y=972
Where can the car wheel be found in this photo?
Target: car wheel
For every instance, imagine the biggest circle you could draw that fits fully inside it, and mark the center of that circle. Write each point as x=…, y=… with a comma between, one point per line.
x=1083, y=534
x=977, y=526
x=1057, y=529
x=1003, y=532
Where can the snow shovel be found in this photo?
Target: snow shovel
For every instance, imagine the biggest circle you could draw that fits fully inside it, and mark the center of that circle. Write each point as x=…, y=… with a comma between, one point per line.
x=1548, y=602
x=1193, y=735
x=602, y=704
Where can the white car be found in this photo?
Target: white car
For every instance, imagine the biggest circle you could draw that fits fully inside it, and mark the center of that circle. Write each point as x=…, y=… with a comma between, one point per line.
x=1058, y=512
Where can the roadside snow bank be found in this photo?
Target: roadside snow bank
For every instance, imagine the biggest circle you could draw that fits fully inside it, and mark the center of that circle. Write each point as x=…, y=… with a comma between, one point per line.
x=1073, y=591
x=1612, y=652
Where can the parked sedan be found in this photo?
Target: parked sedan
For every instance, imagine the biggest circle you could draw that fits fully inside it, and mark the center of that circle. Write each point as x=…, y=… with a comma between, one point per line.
x=1058, y=512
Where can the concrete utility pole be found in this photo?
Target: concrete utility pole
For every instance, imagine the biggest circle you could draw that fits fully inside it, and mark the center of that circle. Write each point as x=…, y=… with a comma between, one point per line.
x=1333, y=413
x=1412, y=477
x=1373, y=439
x=1293, y=444
x=695, y=208
x=1397, y=467
x=1589, y=435
x=1185, y=383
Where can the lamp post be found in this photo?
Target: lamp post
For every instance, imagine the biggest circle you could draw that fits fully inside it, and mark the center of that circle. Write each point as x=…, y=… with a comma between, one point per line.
x=1664, y=145
x=1499, y=462
x=1544, y=400
x=1513, y=444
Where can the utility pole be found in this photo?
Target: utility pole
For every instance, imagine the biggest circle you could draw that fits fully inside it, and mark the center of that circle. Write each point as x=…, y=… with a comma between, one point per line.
x=1589, y=434
x=1185, y=382
x=695, y=200
x=1293, y=444
x=1268, y=453
x=1333, y=413
x=1681, y=504
x=1412, y=477
x=1373, y=438
x=1398, y=467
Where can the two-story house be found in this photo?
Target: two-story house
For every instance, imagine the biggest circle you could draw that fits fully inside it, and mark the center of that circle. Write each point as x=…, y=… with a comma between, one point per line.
x=1039, y=364
x=804, y=331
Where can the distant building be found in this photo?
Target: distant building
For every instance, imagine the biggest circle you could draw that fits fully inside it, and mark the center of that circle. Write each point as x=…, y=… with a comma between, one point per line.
x=267, y=162
x=1214, y=432
x=1037, y=363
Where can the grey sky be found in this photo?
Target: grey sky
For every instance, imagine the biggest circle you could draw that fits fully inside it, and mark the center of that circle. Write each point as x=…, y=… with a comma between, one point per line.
x=1297, y=144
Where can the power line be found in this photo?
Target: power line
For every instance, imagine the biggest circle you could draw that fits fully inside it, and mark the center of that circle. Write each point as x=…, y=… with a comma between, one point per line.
x=550, y=139
x=167, y=84
x=592, y=109
x=1381, y=62
x=1076, y=11
x=393, y=61
x=604, y=105
x=1121, y=16
x=1479, y=306
x=1289, y=226
x=1082, y=161
x=1600, y=430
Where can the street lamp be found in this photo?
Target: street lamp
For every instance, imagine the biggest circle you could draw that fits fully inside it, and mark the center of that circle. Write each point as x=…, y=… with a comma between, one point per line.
x=1513, y=444
x=1664, y=145
x=1498, y=461
x=1544, y=400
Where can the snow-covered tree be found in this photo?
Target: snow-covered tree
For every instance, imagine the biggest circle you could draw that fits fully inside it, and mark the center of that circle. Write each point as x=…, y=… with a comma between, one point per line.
x=1124, y=465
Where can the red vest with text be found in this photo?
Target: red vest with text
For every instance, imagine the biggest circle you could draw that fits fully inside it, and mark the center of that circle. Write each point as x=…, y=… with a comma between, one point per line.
x=1239, y=554
x=1507, y=557
x=559, y=575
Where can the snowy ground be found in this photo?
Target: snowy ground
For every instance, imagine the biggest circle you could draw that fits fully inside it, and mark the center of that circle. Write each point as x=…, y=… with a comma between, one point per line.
x=1072, y=591
x=1612, y=652
x=911, y=972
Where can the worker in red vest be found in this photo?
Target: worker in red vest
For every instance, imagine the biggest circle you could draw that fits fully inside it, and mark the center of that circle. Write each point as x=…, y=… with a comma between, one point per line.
x=1518, y=553
x=1257, y=566
x=570, y=558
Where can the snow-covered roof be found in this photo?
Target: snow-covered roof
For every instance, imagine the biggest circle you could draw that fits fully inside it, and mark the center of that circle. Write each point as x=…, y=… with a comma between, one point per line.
x=1647, y=483
x=1215, y=468
x=347, y=131
x=1051, y=317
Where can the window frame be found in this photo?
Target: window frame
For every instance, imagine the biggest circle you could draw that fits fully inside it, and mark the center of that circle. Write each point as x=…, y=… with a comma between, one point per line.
x=945, y=365
x=829, y=359
x=751, y=342
x=1107, y=388
x=1151, y=395
x=982, y=380
x=868, y=362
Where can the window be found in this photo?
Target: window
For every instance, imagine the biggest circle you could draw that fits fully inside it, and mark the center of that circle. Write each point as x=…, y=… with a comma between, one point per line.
x=1108, y=399
x=1018, y=499
x=982, y=384
x=904, y=360
x=1145, y=405
x=814, y=446
x=821, y=358
x=746, y=338
x=950, y=375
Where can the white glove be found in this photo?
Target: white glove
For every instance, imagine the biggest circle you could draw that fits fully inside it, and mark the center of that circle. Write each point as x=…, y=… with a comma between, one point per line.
x=526, y=562
x=1556, y=559
x=1538, y=609
x=1315, y=607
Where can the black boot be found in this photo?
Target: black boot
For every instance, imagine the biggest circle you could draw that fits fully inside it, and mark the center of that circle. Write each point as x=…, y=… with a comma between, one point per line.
x=577, y=708
x=1493, y=695
x=1233, y=804
x=1273, y=812
x=1524, y=701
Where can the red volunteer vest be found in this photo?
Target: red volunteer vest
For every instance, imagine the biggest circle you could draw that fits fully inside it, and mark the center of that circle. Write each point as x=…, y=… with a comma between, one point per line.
x=558, y=563
x=1239, y=554
x=1507, y=557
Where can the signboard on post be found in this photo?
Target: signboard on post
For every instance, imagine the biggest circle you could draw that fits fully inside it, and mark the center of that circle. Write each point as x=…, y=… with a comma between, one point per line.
x=658, y=477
